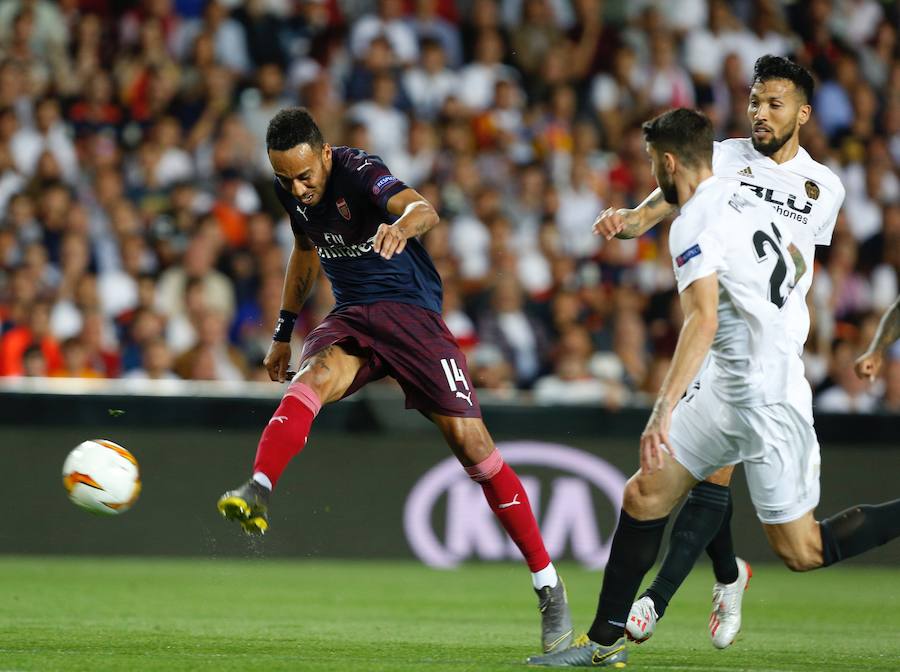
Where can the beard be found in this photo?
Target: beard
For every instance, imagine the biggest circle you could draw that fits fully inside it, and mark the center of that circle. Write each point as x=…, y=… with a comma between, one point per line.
x=771, y=146
x=669, y=192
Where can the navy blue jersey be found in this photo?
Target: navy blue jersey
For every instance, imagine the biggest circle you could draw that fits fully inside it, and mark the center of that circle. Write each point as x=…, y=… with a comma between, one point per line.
x=342, y=226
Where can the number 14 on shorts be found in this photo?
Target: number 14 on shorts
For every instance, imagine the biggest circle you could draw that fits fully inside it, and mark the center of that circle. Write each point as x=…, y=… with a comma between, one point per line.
x=455, y=375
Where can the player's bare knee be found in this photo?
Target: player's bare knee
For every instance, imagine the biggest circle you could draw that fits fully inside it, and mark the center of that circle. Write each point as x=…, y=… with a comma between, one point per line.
x=317, y=377
x=640, y=501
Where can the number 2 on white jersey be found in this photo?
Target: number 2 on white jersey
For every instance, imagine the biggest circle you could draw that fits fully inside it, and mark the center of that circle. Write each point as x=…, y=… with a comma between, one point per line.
x=779, y=273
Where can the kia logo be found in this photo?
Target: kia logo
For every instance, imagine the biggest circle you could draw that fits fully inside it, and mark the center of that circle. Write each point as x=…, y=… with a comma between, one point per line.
x=569, y=516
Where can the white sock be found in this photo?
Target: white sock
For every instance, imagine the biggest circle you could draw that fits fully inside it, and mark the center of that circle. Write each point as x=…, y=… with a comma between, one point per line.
x=264, y=481
x=546, y=577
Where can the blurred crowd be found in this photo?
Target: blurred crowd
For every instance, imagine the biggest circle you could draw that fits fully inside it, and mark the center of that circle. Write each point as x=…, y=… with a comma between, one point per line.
x=140, y=236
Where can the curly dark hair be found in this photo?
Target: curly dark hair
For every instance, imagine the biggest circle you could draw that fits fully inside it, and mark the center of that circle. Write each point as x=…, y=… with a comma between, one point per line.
x=293, y=126
x=777, y=67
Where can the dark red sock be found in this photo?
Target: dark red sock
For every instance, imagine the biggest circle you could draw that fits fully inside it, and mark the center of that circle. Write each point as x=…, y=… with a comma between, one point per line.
x=287, y=431
x=509, y=502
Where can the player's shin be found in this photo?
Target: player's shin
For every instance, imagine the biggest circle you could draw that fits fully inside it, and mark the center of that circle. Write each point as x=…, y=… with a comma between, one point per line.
x=698, y=522
x=286, y=433
x=634, y=549
x=859, y=529
x=509, y=502
x=721, y=549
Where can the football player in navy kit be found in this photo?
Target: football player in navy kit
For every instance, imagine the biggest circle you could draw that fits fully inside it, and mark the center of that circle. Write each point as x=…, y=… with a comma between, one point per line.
x=360, y=224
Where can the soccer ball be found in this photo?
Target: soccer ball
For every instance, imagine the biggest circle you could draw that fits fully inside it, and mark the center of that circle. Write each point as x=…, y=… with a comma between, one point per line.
x=102, y=477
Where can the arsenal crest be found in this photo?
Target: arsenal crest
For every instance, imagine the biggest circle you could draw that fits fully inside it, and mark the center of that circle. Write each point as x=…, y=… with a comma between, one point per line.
x=345, y=210
x=812, y=189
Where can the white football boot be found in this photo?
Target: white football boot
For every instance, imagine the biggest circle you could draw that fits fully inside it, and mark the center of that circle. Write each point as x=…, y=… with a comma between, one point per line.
x=641, y=621
x=725, y=619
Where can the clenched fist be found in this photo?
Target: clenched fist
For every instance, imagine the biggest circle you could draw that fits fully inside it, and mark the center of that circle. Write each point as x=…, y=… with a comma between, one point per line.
x=868, y=365
x=614, y=221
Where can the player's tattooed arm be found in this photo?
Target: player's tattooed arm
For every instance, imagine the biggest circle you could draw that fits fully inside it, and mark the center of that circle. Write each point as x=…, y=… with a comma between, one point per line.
x=631, y=223
x=869, y=363
x=888, y=328
x=799, y=263
x=415, y=217
x=302, y=271
x=302, y=241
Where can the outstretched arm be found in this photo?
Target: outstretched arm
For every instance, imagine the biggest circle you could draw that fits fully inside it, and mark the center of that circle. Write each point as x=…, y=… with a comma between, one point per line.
x=301, y=274
x=869, y=363
x=700, y=303
x=631, y=223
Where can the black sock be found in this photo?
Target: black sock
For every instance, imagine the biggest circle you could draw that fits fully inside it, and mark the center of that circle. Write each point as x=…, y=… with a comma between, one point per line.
x=721, y=549
x=859, y=529
x=634, y=549
x=698, y=521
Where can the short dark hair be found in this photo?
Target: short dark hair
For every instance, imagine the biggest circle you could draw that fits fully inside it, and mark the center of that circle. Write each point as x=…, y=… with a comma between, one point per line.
x=777, y=67
x=293, y=126
x=687, y=134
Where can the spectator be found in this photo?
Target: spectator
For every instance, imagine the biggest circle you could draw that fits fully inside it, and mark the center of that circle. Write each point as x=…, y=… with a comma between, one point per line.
x=429, y=26
x=49, y=134
x=387, y=126
x=198, y=265
x=535, y=36
x=431, y=83
x=848, y=393
x=34, y=332
x=156, y=362
x=478, y=79
x=491, y=372
x=33, y=363
x=75, y=362
x=387, y=21
x=261, y=29
x=519, y=335
x=212, y=358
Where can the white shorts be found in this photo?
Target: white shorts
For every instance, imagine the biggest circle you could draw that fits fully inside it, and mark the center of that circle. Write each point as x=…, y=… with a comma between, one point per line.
x=776, y=443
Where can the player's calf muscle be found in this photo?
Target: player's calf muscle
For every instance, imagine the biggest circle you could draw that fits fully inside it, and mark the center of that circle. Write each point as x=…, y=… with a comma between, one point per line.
x=798, y=543
x=468, y=438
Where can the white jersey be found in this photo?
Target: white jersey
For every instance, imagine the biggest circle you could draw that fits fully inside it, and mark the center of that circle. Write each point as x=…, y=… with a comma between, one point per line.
x=806, y=197
x=724, y=230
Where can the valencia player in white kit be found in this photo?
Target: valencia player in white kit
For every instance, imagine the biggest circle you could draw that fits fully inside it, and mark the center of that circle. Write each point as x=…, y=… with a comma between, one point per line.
x=806, y=197
x=736, y=268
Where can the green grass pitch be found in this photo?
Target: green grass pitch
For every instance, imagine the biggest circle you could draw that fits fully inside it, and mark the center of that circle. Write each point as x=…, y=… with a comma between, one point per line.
x=103, y=614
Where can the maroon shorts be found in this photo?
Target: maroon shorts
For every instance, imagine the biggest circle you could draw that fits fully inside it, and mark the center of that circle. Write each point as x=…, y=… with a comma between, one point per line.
x=408, y=343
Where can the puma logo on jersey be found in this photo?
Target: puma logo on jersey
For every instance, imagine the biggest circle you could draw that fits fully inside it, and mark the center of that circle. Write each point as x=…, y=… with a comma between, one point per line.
x=746, y=172
x=467, y=397
x=302, y=211
x=367, y=163
x=278, y=418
